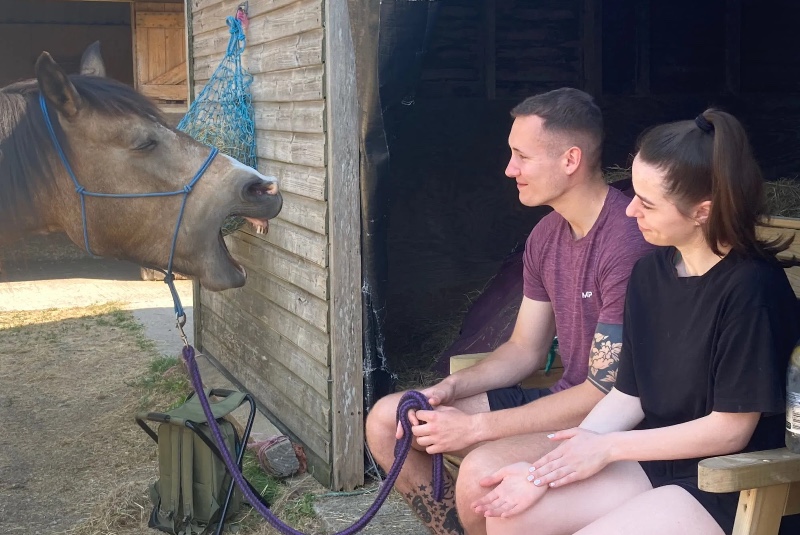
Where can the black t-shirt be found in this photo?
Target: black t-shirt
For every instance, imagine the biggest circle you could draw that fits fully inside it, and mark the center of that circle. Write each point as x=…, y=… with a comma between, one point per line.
x=719, y=342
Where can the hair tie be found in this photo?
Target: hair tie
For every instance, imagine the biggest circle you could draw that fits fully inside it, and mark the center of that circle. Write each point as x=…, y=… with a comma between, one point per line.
x=704, y=124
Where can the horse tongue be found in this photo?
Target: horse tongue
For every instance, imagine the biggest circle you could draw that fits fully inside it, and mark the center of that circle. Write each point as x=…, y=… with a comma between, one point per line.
x=261, y=226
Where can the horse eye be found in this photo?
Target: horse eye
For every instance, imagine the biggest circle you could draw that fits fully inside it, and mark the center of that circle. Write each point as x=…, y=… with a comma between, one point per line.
x=147, y=145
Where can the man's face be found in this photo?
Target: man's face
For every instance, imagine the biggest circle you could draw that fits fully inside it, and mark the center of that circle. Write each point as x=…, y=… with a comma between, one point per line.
x=535, y=164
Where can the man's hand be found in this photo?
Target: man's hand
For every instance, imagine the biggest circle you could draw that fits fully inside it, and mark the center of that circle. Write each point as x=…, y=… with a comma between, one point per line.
x=582, y=454
x=445, y=429
x=442, y=393
x=513, y=495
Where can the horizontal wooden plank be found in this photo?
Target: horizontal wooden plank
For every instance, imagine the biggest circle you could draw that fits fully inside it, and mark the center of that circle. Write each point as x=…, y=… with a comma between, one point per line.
x=308, y=117
x=742, y=471
x=172, y=21
x=297, y=240
x=308, y=431
x=291, y=85
x=211, y=44
x=288, y=53
x=165, y=92
x=256, y=251
x=297, y=301
x=305, y=212
x=296, y=18
x=174, y=6
x=291, y=147
x=211, y=14
x=307, y=181
x=306, y=337
x=260, y=346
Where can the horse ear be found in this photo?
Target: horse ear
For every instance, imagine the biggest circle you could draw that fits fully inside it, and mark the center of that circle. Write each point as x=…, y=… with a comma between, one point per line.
x=92, y=61
x=56, y=87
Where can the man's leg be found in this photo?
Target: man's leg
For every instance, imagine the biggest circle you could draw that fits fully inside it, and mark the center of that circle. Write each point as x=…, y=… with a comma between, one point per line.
x=415, y=482
x=484, y=461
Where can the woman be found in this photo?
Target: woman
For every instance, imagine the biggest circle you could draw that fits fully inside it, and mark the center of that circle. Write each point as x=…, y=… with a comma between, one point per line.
x=710, y=323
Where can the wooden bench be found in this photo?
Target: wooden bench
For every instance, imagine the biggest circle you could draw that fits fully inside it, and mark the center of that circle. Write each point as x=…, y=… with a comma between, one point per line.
x=768, y=481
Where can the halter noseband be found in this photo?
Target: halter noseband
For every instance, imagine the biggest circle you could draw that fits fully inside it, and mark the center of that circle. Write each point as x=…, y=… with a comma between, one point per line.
x=168, y=275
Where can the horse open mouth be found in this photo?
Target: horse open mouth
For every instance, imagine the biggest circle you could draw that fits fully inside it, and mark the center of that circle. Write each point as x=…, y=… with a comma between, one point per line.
x=260, y=226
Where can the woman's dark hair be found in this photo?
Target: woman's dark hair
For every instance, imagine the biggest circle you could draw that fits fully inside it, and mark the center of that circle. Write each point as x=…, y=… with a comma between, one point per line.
x=710, y=158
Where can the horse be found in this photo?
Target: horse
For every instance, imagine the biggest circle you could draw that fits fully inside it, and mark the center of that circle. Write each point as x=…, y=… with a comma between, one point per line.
x=117, y=142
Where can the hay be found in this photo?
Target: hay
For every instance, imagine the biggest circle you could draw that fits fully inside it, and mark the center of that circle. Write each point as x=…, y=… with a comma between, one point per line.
x=616, y=173
x=782, y=197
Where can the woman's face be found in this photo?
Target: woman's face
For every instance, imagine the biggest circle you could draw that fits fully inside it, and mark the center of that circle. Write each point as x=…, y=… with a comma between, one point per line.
x=659, y=219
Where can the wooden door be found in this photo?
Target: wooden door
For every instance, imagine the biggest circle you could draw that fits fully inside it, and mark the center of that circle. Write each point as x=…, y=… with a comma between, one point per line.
x=160, y=51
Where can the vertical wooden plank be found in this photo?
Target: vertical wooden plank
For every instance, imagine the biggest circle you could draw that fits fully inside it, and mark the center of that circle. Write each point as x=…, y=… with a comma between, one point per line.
x=156, y=53
x=643, y=47
x=733, y=44
x=490, y=48
x=592, y=24
x=189, y=40
x=760, y=510
x=173, y=44
x=347, y=397
x=135, y=46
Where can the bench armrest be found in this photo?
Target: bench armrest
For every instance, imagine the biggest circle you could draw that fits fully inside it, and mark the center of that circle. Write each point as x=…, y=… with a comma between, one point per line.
x=743, y=471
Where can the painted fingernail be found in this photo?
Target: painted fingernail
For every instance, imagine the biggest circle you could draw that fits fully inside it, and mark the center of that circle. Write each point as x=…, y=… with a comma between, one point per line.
x=532, y=469
x=551, y=435
x=530, y=478
x=537, y=482
x=552, y=484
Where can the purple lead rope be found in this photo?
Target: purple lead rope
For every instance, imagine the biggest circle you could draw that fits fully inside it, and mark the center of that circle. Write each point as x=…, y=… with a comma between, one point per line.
x=409, y=402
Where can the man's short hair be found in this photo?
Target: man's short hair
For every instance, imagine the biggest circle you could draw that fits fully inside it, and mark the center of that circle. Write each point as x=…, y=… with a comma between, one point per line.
x=572, y=112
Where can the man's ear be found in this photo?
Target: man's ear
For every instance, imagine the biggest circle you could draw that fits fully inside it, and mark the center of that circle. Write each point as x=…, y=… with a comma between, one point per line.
x=92, y=61
x=56, y=87
x=572, y=159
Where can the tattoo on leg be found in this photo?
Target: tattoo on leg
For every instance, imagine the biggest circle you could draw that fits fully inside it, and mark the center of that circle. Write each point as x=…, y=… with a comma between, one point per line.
x=440, y=518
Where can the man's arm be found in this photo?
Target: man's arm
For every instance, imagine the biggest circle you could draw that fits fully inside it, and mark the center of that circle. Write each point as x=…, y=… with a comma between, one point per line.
x=564, y=409
x=524, y=353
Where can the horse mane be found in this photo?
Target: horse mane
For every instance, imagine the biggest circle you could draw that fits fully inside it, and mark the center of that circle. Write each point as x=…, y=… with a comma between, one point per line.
x=27, y=156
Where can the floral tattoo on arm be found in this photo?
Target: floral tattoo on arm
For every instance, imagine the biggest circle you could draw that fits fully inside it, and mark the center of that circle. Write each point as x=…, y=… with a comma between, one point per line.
x=604, y=356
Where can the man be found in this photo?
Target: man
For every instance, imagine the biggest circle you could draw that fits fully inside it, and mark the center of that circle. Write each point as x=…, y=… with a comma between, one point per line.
x=576, y=267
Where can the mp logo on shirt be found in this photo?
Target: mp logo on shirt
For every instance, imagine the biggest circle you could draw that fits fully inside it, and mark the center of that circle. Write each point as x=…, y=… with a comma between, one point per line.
x=586, y=295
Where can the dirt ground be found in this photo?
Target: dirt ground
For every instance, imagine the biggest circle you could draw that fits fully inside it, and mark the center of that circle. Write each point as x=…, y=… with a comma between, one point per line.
x=72, y=349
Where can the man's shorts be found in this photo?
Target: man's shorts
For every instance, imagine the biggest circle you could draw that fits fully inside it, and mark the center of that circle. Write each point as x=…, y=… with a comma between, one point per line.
x=514, y=396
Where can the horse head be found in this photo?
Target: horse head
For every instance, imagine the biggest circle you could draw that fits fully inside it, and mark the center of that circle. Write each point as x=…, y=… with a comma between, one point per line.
x=116, y=141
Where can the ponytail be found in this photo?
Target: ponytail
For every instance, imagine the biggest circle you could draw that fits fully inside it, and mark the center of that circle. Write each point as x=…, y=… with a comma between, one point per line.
x=710, y=159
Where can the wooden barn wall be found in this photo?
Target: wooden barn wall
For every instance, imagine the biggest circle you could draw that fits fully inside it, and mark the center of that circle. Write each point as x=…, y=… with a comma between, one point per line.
x=273, y=334
x=503, y=49
x=63, y=29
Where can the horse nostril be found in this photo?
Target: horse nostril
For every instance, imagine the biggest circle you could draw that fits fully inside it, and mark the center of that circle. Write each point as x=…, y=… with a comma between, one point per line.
x=260, y=187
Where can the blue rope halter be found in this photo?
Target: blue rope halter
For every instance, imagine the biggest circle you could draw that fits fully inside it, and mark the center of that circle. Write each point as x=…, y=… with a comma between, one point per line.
x=169, y=278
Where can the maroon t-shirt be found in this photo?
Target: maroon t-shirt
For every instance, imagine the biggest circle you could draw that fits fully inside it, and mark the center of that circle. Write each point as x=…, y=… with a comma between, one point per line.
x=585, y=279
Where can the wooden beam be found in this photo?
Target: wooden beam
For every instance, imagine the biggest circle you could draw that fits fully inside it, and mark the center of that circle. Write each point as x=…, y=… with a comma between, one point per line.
x=490, y=48
x=742, y=471
x=159, y=20
x=733, y=46
x=592, y=24
x=760, y=510
x=344, y=222
x=643, y=47
x=164, y=92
